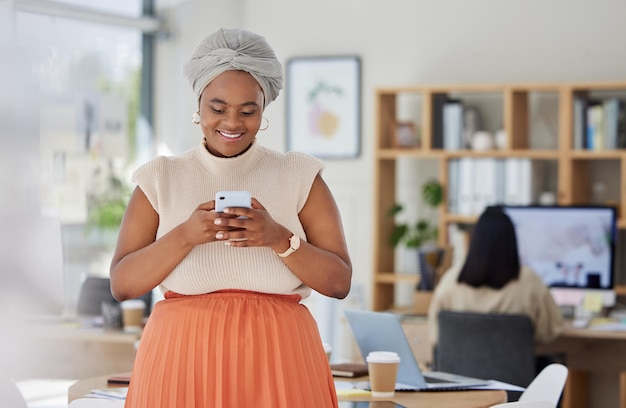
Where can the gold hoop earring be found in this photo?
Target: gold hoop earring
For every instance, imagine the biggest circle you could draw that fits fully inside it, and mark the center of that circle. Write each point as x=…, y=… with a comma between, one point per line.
x=267, y=124
x=195, y=118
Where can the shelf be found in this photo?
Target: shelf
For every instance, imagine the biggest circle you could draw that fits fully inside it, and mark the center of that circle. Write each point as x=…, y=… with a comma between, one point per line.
x=521, y=153
x=598, y=154
x=386, y=277
x=459, y=219
x=409, y=153
x=538, y=119
x=395, y=153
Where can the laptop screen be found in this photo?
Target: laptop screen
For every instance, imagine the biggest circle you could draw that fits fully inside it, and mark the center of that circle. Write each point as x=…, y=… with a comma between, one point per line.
x=376, y=331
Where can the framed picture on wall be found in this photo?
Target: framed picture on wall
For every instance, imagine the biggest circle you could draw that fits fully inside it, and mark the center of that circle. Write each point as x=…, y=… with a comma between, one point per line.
x=324, y=106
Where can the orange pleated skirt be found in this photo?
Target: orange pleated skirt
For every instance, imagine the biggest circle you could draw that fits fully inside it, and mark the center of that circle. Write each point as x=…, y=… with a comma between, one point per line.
x=231, y=349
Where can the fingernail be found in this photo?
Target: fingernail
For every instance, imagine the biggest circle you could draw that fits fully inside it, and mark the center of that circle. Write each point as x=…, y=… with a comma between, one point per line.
x=217, y=221
x=219, y=235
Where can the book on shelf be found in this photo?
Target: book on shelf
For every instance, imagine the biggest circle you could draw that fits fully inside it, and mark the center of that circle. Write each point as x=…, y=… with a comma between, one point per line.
x=453, y=135
x=453, y=186
x=599, y=124
x=595, y=126
x=439, y=100
x=523, y=180
x=621, y=125
x=466, y=185
x=351, y=370
x=476, y=183
x=611, y=113
x=580, y=123
x=485, y=193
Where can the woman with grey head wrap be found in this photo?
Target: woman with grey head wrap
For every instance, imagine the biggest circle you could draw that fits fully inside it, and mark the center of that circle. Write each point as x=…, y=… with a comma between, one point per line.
x=231, y=331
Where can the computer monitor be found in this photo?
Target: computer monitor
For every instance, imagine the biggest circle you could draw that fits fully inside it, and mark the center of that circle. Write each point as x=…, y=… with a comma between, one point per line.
x=572, y=249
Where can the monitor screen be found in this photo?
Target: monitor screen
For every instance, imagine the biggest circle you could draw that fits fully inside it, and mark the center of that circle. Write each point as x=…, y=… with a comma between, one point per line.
x=567, y=246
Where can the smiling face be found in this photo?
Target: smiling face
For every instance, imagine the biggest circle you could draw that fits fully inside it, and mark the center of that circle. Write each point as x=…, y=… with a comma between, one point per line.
x=231, y=108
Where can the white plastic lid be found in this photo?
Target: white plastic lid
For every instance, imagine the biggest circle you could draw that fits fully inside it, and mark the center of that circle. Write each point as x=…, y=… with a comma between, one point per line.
x=133, y=304
x=383, y=357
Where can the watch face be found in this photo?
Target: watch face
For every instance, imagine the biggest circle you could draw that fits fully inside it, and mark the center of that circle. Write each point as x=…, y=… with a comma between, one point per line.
x=294, y=241
x=294, y=244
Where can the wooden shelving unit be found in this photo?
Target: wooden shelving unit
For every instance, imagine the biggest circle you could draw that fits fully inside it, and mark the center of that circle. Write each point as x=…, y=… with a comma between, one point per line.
x=512, y=108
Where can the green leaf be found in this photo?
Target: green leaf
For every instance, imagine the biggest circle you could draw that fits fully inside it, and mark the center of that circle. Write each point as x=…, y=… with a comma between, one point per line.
x=399, y=231
x=395, y=209
x=432, y=193
x=422, y=226
x=414, y=241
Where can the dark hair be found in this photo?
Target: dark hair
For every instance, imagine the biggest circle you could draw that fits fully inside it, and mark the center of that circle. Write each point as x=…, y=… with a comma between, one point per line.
x=492, y=259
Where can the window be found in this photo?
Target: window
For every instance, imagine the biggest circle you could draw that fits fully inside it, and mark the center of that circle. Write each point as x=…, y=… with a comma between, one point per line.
x=122, y=7
x=94, y=124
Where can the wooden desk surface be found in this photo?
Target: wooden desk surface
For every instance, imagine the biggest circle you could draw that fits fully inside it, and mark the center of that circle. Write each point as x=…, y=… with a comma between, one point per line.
x=439, y=399
x=591, y=333
x=590, y=351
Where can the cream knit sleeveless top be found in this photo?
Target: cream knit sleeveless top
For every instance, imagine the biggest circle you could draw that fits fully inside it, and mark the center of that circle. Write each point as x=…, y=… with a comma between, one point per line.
x=176, y=185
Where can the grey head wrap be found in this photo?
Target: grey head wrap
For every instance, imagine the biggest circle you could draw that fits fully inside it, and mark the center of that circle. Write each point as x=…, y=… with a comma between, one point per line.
x=239, y=50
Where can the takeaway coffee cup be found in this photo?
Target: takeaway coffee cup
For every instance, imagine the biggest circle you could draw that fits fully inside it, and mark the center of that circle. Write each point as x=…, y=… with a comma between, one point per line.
x=132, y=314
x=328, y=349
x=383, y=370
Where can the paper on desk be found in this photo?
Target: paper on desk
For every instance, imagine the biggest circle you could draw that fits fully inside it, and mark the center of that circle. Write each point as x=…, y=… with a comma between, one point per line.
x=348, y=389
x=609, y=326
x=109, y=393
x=592, y=302
x=498, y=385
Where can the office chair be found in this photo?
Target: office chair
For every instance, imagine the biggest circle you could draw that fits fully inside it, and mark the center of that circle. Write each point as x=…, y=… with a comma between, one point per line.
x=93, y=292
x=487, y=345
x=96, y=290
x=548, y=385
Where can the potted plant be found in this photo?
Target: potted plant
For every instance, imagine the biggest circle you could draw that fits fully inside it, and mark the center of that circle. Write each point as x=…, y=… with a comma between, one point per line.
x=106, y=204
x=422, y=236
x=424, y=231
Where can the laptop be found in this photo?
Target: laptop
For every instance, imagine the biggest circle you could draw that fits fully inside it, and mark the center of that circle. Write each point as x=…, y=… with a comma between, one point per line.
x=379, y=331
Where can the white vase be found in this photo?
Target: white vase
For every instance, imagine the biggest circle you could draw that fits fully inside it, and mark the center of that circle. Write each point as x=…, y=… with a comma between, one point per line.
x=500, y=139
x=482, y=141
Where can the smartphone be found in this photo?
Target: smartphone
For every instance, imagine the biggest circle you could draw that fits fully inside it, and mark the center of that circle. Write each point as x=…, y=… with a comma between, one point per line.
x=225, y=199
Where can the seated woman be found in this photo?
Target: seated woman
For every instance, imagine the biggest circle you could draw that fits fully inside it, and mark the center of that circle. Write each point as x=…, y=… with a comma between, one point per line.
x=492, y=280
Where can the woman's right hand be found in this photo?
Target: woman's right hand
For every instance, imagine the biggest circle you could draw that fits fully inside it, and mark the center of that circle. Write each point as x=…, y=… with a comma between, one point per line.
x=200, y=227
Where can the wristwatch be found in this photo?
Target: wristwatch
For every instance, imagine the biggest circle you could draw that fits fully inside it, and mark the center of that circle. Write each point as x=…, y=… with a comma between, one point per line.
x=294, y=244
